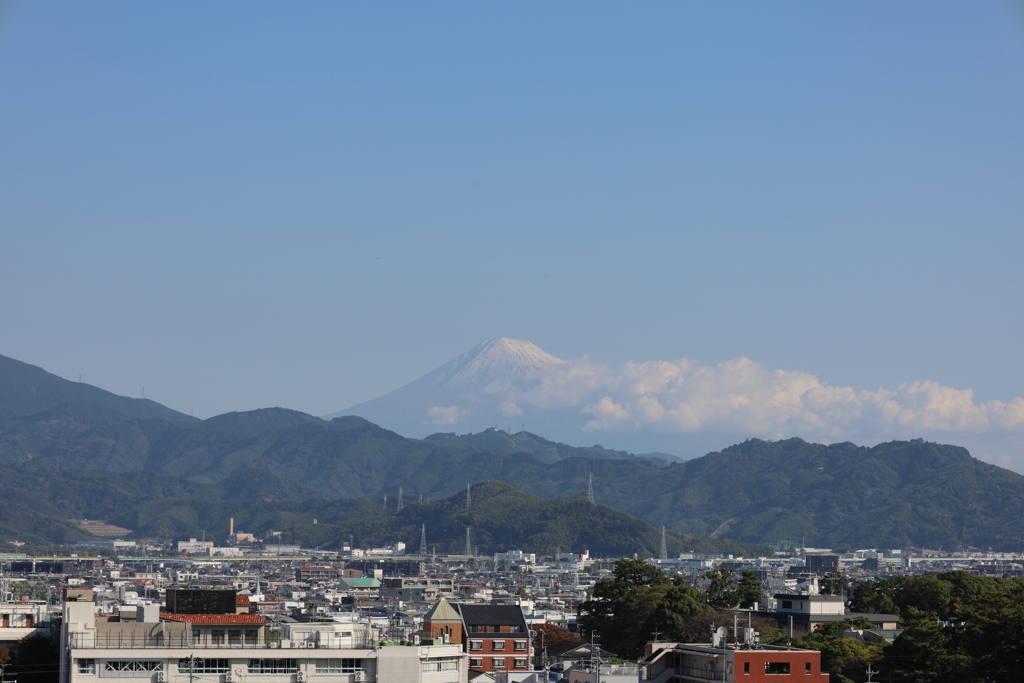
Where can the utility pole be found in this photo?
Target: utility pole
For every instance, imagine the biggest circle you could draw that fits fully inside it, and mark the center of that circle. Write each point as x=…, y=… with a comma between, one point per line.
x=871, y=673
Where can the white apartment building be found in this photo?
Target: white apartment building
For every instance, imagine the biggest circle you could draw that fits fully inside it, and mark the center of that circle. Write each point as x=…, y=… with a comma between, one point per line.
x=21, y=619
x=225, y=648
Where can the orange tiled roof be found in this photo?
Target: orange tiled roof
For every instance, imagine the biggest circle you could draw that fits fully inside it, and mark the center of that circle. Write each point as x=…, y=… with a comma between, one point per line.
x=241, y=600
x=215, y=618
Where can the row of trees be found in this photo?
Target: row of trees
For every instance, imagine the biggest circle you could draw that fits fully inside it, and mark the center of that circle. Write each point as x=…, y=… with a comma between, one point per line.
x=640, y=600
x=956, y=627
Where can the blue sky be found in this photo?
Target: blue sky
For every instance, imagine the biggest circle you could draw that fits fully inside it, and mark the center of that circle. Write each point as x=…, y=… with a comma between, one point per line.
x=240, y=205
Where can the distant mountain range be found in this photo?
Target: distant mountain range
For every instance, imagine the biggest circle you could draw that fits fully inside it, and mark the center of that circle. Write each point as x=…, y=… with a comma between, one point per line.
x=26, y=390
x=892, y=495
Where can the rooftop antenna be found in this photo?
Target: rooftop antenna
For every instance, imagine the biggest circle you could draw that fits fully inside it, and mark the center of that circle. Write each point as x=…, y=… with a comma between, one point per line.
x=423, y=541
x=468, y=502
x=469, y=548
x=663, y=554
x=399, y=499
x=590, y=488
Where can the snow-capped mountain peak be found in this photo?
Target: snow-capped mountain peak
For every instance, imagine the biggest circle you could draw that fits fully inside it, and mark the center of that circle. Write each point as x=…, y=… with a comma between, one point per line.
x=476, y=387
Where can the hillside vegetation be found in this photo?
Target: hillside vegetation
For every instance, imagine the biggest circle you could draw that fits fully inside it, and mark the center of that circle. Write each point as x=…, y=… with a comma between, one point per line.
x=26, y=390
x=897, y=494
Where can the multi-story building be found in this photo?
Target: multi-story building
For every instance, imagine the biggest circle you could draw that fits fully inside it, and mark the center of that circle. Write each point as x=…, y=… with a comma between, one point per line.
x=821, y=563
x=496, y=637
x=164, y=647
x=22, y=619
x=679, y=662
x=416, y=589
x=808, y=611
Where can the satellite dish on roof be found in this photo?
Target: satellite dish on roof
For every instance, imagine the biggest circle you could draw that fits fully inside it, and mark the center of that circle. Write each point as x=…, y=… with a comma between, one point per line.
x=719, y=636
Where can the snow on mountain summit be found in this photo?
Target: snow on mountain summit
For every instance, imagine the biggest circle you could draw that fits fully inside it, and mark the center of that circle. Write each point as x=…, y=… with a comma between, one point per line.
x=501, y=359
x=475, y=388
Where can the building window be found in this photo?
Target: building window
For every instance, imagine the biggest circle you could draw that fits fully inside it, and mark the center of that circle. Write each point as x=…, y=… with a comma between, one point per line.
x=521, y=663
x=778, y=668
x=130, y=668
x=476, y=663
x=498, y=662
x=746, y=668
x=807, y=668
x=87, y=667
x=515, y=629
x=521, y=645
x=476, y=645
x=787, y=604
x=235, y=636
x=498, y=644
x=204, y=666
x=273, y=666
x=438, y=664
x=217, y=636
x=252, y=636
x=197, y=637
x=340, y=666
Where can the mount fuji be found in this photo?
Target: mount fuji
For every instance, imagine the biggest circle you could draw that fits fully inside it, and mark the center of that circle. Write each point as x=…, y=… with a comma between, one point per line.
x=474, y=390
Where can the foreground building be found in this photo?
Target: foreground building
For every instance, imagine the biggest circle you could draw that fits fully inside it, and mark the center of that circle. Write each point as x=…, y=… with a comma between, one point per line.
x=679, y=662
x=164, y=647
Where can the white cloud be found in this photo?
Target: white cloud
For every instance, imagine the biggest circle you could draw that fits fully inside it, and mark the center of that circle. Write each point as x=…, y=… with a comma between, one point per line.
x=445, y=415
x=741, y=395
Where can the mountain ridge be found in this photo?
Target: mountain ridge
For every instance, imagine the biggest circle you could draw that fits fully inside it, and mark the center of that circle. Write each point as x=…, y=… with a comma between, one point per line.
x=27, y=389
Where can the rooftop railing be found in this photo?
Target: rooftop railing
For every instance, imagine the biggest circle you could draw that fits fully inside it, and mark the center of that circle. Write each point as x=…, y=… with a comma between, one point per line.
x=83, y=640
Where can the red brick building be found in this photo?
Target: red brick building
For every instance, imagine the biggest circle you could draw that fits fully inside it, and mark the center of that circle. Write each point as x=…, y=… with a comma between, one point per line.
x=687, y=662
x=496, y=637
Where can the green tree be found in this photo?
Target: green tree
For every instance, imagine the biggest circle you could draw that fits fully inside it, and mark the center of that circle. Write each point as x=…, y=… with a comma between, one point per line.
x=926, y=652
x=621, y=607
x=521, y=591
x=833, y=583
x=993, y=636
x=721, y=588
x=672, y=616
x=870, y=597
x=749, y=591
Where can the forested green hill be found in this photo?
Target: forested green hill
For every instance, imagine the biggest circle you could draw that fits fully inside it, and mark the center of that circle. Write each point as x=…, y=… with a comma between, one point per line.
x=892, y=495
x=26, y=390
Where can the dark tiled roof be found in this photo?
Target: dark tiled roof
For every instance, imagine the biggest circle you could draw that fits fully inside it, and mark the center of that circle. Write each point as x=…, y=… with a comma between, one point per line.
x=500, y=615
x=563, y=646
